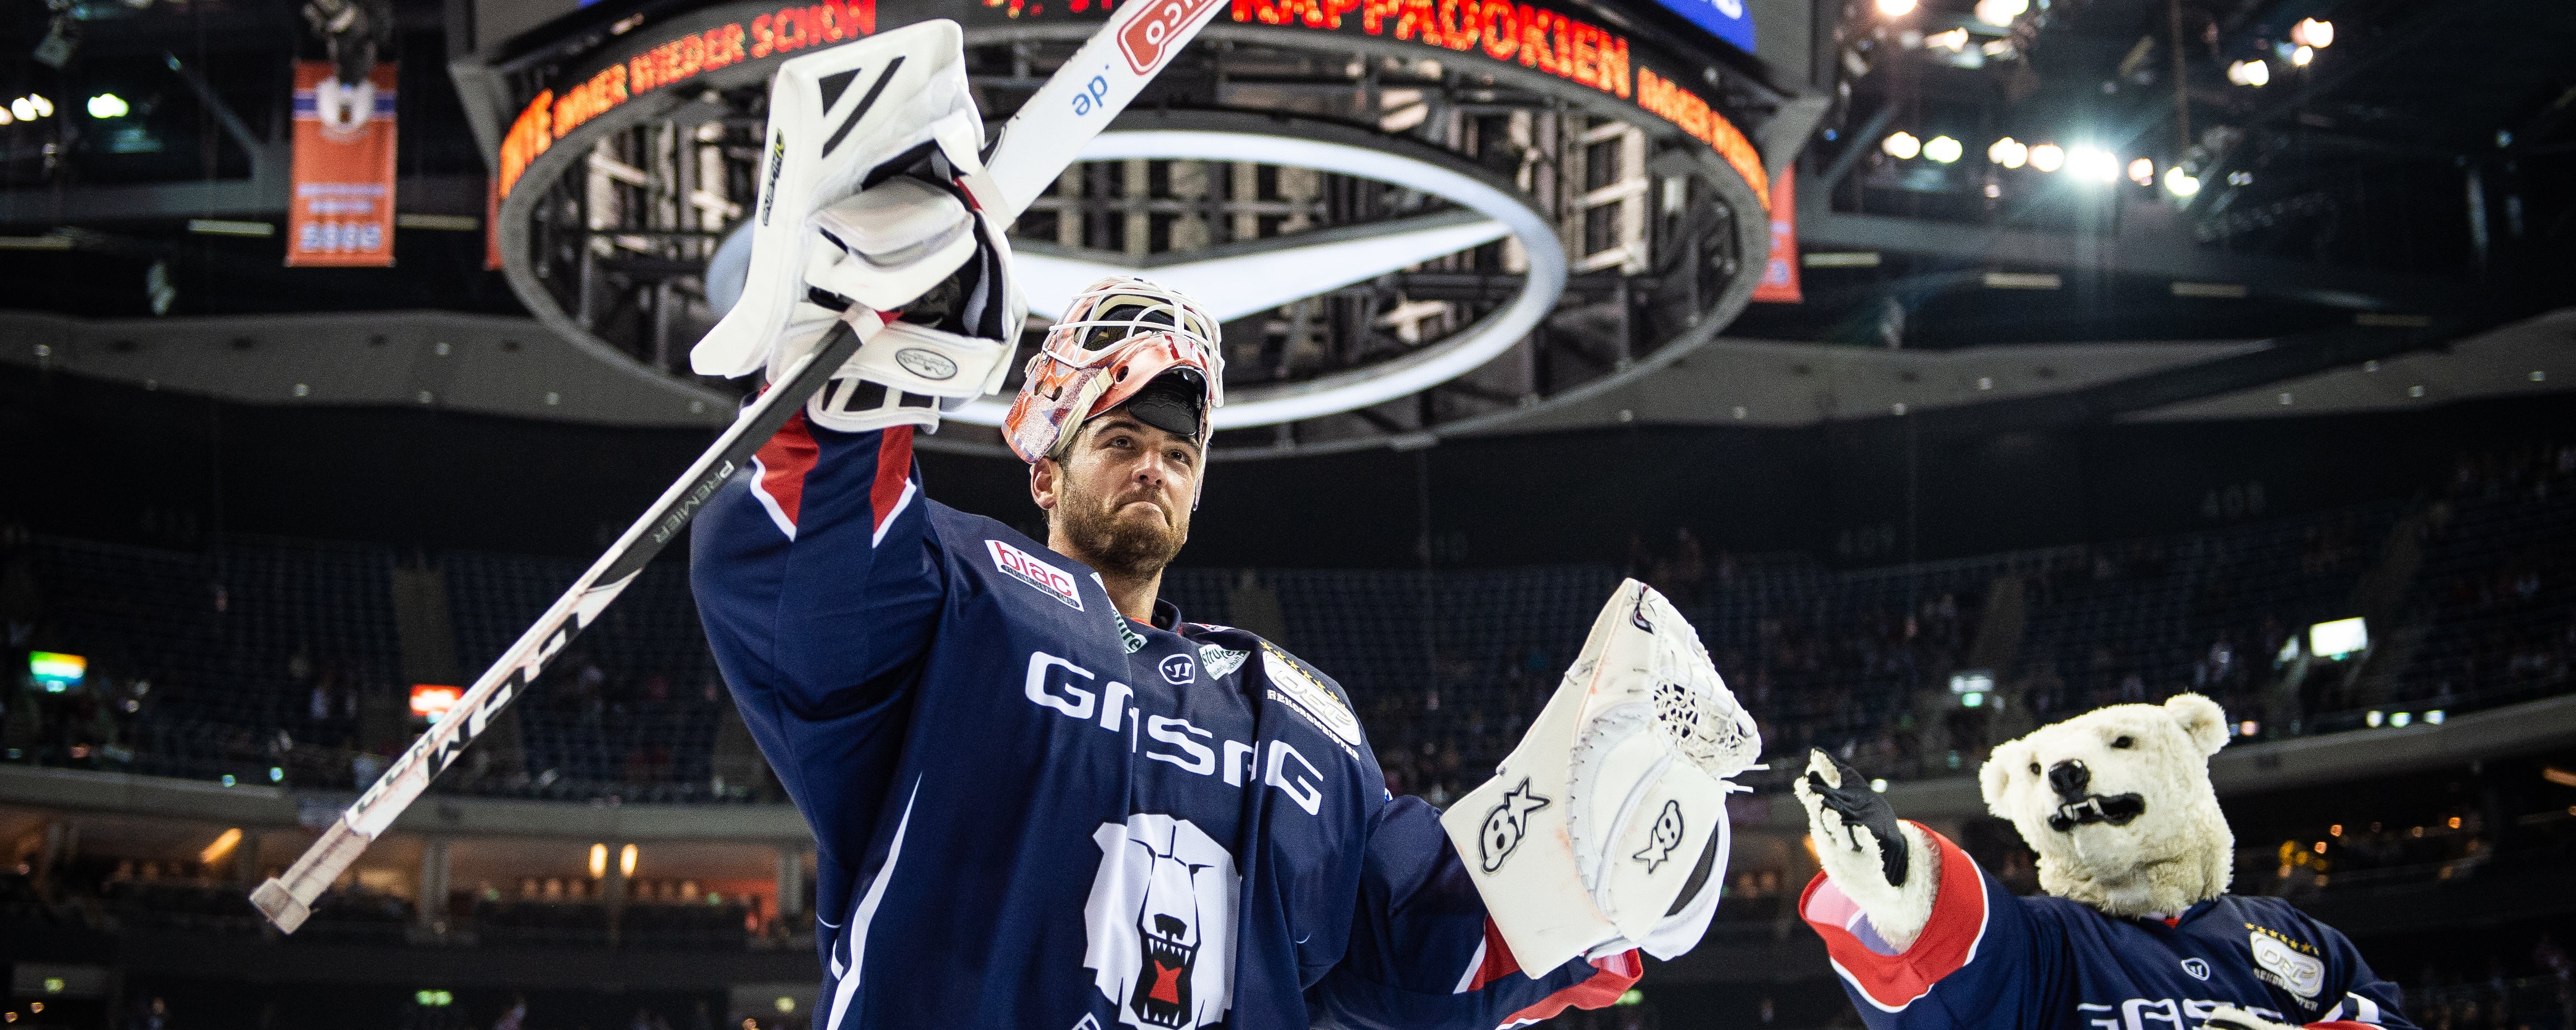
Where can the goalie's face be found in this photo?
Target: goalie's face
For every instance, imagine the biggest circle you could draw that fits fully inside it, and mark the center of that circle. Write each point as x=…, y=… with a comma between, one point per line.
x=1118, y=499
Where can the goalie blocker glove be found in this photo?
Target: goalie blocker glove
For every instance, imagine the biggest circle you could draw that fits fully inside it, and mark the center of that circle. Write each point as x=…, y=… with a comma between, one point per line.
x=873, y=202
x=1606, y=827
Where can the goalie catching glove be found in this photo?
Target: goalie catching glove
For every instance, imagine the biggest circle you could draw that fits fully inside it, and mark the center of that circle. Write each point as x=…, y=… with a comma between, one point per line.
x=1606, y=828
x=873, y=202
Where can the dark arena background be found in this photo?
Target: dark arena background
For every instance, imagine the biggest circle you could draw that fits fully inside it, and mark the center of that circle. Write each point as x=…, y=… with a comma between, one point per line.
x=1954, y=367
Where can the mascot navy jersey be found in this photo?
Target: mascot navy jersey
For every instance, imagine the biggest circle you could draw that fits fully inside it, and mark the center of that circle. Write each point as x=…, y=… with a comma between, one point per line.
x=1031, y=812
x=1993, y=961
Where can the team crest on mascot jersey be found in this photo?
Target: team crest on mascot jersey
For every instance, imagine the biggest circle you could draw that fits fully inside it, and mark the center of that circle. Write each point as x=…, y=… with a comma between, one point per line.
x=1161, y=923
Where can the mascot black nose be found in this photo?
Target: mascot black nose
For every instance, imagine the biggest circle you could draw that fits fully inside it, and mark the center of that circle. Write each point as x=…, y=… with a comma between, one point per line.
x=2069, y=778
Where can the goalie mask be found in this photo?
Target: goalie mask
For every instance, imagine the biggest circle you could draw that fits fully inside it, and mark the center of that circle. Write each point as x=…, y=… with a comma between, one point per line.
x=1123, y=341
x=1606, y=827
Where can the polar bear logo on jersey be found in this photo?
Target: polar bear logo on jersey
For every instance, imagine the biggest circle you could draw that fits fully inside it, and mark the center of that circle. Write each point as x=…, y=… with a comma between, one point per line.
x=1161, y=923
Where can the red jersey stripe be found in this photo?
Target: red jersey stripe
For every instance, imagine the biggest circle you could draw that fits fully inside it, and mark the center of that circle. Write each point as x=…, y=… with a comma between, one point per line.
x=1617, y=973
x=782, y=464
x=1498, y=959
x=1949, y=940
x=894, y=468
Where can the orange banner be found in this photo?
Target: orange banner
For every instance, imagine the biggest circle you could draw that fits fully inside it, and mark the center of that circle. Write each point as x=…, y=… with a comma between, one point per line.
x=342, y=211
x=1780, y=274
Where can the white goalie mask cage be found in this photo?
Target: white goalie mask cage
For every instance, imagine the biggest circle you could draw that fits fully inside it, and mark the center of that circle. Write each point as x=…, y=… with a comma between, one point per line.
x=1630, y=764
x=1117, y=336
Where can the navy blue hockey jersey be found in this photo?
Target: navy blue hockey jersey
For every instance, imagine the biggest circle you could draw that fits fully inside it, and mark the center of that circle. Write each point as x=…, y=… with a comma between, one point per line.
x=1993, y=961
x=1033, y=813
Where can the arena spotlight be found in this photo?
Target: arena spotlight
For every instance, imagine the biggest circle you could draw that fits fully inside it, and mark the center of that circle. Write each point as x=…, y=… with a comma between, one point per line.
x=2338, y=638
x=626, y=860
x=222, y=846
x=1896, y=8
x=2092, y=164
x=2180, y=183
x=2000, y=12
x=2048, y=157
x=1901, y=145
x=24, y=108
x=2303, y=55
x=2142, y=172
x=2009, y=152
x=108, y=105
x=2253, y=72
x=1953, y=41
x=2310, y=32
x=1943, y=149
x=598, y=861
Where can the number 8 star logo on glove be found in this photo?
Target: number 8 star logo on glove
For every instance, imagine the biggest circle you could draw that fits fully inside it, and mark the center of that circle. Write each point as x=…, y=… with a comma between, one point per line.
x=1506, y=825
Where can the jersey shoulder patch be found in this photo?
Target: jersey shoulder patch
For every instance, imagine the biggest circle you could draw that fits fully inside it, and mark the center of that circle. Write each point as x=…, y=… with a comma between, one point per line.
x=999, y=553
x=1311, y=694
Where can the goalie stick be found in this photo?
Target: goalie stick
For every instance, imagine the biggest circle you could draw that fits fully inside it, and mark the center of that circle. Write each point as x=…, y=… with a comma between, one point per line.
x=1072, y=106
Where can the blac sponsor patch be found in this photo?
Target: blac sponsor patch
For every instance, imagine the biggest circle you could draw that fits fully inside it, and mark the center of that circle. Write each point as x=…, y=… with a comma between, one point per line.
x=1020, y=565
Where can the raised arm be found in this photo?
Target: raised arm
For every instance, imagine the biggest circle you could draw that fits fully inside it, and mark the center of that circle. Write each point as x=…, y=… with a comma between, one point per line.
x=819, y=588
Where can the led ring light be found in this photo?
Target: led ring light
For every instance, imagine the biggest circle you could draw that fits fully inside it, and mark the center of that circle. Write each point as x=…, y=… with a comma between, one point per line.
x=1411, y=373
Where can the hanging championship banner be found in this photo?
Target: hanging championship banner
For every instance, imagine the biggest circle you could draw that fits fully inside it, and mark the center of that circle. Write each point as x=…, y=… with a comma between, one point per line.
x=1780, y=274
x=342, y=211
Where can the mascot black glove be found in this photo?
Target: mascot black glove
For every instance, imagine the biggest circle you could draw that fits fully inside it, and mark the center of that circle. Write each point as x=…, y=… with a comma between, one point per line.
x=1844, y=791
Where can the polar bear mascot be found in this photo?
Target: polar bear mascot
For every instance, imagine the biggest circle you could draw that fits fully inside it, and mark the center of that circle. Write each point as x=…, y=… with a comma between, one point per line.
x=2136, y=931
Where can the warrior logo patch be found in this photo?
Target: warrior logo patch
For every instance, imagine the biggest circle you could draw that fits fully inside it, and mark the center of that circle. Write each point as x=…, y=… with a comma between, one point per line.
x=1161, y=923
x=1506, y=824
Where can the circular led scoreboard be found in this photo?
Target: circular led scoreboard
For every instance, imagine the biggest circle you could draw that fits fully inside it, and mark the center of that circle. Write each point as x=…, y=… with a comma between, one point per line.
x=1417, y=218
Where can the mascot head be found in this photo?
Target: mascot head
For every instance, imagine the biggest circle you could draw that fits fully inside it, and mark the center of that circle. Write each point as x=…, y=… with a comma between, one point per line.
x=2118, y=804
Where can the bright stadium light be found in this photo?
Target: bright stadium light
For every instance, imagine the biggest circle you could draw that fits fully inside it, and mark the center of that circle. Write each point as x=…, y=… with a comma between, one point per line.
x=2252, y=72
x=44, y=108
x=1896, y=8
x=2303, y=55
x=1943, y=149
x=24, y=108
x=2180, y=183
x=108, y=105
x=2047, y=157
x=1954, y=40
x=2092, y=164
x=2142, y=172
x=1901, y=145
x=2009, y=152
x=2000, y=12
x=2310, y=32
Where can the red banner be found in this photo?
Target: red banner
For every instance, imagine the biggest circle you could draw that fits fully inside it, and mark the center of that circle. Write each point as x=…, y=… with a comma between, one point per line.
x=1780, y=274
x=342, y=211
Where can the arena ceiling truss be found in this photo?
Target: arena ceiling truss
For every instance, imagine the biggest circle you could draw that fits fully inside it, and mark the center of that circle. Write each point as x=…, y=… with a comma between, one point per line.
x=1419, y=217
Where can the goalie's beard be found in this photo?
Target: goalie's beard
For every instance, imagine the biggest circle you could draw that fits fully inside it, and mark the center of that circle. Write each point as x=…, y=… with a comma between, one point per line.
x=1112, y=546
